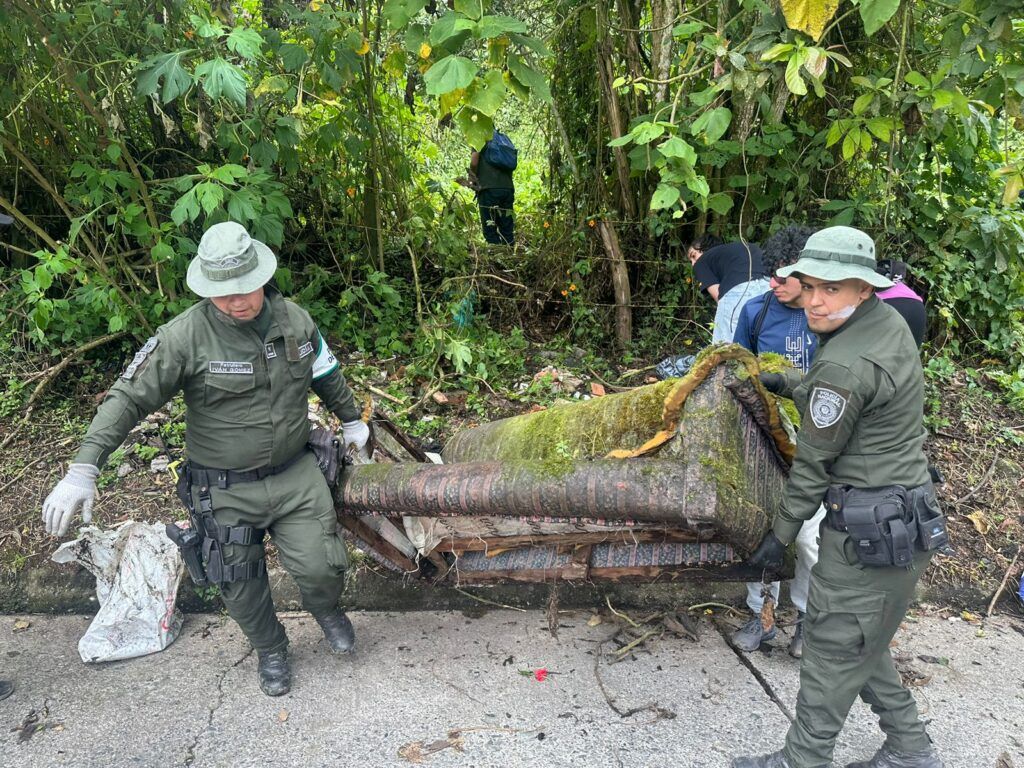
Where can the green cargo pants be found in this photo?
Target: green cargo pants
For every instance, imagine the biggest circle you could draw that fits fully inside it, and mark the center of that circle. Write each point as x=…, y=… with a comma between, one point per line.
x=853, y=613
x=296, y=509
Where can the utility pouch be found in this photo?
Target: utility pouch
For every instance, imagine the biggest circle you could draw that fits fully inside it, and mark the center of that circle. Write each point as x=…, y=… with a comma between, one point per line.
x=326, y=448
x=880, y=522
x=931, y=523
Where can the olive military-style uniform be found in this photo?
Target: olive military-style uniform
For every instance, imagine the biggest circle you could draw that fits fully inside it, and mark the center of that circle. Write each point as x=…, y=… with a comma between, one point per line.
x=246, y=394
x=862, y=406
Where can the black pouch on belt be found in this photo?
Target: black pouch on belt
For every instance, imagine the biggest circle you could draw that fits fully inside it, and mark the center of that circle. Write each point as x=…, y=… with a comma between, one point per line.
x=931, y=523
x=327, y=448
x=880, y=522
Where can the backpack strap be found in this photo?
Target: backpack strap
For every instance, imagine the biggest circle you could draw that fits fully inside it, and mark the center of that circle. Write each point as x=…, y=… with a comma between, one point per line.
x=755, y=330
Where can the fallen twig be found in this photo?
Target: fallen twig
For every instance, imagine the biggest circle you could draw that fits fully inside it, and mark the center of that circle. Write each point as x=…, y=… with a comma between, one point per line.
x=624, y=617
x=621, y=653
x=489, y=602
x=995, y=597
x=659, y=712
x=984, y=481
x=385, y=395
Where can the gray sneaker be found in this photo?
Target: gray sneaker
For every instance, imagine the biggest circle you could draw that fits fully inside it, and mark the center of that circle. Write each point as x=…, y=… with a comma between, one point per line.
x=890, y=758
x=796, y=645
x=750, y=636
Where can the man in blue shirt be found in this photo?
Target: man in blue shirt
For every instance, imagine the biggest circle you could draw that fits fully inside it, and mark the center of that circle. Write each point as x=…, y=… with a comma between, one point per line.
x=776, y=322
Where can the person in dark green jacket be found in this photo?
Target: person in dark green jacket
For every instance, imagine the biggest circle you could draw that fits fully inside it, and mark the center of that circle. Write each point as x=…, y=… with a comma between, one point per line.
x=245, y=359
x=859, y=449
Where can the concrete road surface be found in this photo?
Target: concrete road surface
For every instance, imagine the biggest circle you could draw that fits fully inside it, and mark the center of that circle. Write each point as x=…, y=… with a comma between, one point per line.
x=445, y=689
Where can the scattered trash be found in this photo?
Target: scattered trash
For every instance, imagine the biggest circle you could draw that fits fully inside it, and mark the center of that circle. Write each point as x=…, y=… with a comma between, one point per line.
x=282, y=716
x=418, y=751
x=159, y=464
x=981, y=523
x=597, y=390
x=673, y=367
x=137, y=570
x=34, y=722
x=20, y=625
x=540, y=675
x=941, y=660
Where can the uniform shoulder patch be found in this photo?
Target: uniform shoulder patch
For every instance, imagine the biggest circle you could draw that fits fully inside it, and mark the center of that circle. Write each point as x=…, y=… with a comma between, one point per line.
x=140, y=358
x=827, y=405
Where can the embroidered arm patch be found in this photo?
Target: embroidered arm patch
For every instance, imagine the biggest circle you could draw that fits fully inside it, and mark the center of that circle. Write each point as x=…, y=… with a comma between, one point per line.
x=325, y=362
x=140, y=358
x=826, y=407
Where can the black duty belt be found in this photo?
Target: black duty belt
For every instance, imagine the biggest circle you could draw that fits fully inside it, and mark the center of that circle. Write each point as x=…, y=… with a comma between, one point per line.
x=222, y=478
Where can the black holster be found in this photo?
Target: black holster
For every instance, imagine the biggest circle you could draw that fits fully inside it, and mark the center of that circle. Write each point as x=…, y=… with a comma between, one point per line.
x=326, y=447
x=887, y=524
x=206, y=538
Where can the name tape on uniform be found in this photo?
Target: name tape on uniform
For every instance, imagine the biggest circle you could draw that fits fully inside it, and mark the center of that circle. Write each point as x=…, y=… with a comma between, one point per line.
x=306, y=349
x=230, y=367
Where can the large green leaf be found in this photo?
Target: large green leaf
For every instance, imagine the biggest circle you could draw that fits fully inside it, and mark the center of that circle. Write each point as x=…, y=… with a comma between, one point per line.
x=448, y=26
x=712, y=124
x=720, y=203
x=474, y=9
x=676, y=147
x=166, y=67
x=399, y=12
x=875, y=13
x=665, y=196
x=534, y=44
x=222, y=79
x=475, y=126
x=247, y=43
x=794, y=82
x=485, y=94
x=492, y=26
x=293, y=56
x=531, y=78
x=449, y=74
x=809, y=16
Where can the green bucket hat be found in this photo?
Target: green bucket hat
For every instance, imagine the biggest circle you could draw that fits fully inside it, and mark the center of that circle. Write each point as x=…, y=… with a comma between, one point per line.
x=838, y=253
x=229, y=261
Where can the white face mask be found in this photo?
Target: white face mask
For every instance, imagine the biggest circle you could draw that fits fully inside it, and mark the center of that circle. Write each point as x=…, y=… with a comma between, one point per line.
x=843, y=313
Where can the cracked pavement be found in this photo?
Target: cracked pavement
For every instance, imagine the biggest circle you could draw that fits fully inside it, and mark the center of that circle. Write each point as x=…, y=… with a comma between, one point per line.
x=417, y=678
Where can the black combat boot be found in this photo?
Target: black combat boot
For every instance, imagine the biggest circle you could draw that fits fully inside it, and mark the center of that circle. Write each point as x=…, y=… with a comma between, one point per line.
x=890, y=758
x=6, y=689
x=338, y=630
x=274, y=673
x=774, y=760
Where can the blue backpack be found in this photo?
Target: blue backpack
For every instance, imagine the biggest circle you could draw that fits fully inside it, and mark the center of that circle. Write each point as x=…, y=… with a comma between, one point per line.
x=501, y=152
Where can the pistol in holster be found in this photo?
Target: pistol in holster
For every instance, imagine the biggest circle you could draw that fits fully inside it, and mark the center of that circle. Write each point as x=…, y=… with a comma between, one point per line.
x=887, y=524
x=189, y=540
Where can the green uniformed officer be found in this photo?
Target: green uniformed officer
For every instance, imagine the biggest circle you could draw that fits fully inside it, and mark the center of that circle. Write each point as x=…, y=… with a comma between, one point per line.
x=245, y=359
x=860, y=442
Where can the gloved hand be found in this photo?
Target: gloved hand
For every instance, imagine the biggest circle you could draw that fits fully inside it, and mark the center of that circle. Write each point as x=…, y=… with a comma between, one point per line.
x=773, y=382
x=355, y=433
x=768, y=554
x=77, y=488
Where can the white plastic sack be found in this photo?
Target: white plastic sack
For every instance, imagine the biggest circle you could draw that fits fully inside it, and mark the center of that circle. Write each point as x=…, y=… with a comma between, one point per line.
x=137, y=570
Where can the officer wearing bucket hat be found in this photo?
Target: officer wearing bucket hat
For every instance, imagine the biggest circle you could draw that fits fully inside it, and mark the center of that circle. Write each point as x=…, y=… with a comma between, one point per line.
x=245, y=359
x=859, y=449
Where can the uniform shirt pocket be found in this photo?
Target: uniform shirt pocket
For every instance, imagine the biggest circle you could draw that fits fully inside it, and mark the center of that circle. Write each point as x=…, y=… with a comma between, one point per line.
x=842, y=623
x=229, y=397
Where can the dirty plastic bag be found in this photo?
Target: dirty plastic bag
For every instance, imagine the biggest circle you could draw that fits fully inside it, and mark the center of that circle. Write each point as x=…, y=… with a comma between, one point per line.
x=137, y=570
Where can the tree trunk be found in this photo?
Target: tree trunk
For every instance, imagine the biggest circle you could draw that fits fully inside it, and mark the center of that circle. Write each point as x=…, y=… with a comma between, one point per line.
x=620, y=283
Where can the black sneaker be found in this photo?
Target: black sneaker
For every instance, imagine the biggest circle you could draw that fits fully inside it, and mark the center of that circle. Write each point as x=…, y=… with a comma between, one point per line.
x=338, y=631
x=274, y=673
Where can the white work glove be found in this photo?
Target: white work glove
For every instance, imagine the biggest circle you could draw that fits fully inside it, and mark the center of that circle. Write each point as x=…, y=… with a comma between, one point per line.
x=355, y=433
x=77, y=488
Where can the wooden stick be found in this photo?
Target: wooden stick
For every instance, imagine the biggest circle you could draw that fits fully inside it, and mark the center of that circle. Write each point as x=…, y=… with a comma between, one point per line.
x=995, y=597
x=385, y=395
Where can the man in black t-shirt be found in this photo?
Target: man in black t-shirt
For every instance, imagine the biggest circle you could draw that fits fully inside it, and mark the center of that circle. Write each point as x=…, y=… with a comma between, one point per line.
x=495, y=194
x=731, y=274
